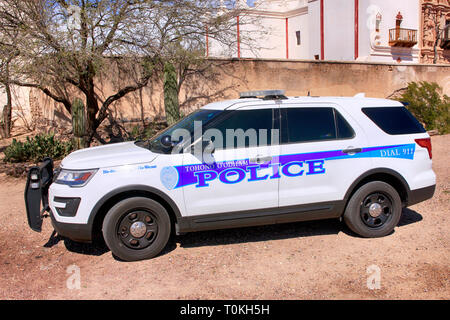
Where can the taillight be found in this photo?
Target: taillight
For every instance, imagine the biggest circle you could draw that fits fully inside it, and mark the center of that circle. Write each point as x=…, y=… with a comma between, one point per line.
x=425, y=143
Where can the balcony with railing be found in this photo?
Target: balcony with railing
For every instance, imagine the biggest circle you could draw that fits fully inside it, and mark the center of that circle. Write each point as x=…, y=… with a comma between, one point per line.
x=399, y=37
x=445, y=40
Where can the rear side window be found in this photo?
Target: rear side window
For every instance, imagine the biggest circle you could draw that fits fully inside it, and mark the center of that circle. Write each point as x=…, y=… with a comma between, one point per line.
x=344, y=131
x=314, y=124
x=308, y=124
x=394, y=120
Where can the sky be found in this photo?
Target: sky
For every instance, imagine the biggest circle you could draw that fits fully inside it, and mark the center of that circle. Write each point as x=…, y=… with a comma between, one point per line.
x=230, y=3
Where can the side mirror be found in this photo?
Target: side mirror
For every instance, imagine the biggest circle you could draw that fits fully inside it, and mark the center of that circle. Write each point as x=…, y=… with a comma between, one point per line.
x=166, y=141
x=208, y=152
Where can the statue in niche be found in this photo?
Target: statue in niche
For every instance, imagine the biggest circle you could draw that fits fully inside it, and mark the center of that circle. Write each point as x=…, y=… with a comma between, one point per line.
x=428, y=29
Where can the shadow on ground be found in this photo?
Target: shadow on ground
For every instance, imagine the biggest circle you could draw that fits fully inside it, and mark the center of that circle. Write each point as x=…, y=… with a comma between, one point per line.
x=278, y=232
x=408, y=217
x=238, y=235
x=96, y=248
x=260, y=233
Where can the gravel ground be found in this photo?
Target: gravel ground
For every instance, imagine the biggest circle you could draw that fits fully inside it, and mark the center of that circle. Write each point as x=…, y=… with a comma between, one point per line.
x=309, y=260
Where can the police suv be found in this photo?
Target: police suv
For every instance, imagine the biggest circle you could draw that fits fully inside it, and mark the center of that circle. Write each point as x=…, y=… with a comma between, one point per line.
x=261, y=159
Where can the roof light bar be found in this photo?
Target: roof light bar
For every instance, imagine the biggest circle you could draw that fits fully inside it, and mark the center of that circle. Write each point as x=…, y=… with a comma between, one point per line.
x=271, y=94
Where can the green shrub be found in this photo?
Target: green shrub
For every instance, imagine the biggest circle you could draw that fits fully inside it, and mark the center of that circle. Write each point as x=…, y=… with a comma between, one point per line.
x=428, y=105
x=138, y=132
x=37, y=148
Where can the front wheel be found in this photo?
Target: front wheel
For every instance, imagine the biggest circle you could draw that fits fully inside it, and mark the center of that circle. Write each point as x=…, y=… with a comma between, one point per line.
x=374, y=210
x=136, y=229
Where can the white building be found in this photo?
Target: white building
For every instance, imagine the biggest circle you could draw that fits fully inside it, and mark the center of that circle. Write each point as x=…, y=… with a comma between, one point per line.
x=342, y=30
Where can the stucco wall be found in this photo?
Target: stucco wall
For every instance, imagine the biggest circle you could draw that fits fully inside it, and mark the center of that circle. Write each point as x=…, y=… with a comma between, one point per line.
x=339, y=30
x=296, y=77
x=299, y=23
x=314, y=28
x=20, y=104
x=335, y=78
x=269, y=42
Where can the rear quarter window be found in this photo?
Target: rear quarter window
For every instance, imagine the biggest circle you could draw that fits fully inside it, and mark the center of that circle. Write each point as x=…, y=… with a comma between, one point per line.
x=394, y=120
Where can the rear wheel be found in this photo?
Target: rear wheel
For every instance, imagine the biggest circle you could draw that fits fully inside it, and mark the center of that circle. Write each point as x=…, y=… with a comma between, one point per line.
x=136, y=229
x=374, y=210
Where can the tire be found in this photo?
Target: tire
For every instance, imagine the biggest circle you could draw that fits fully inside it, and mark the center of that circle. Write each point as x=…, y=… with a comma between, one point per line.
x=136, y=229
x=374, y=210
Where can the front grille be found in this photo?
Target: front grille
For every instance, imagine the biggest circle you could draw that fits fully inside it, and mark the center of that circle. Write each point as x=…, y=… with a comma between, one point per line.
x=71, y=207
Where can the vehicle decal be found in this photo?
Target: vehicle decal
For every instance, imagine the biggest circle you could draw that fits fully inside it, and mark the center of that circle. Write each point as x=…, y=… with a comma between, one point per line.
x=146, y=167
x=169, y=177
x=109, y=171
x=128, y=168
x=292, y=165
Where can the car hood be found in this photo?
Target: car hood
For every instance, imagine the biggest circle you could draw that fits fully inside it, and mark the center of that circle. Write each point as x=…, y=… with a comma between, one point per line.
x=108, y=156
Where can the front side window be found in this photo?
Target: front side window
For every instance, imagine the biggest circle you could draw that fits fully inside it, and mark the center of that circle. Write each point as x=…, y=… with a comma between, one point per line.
x=203, y=116
x=242, y=128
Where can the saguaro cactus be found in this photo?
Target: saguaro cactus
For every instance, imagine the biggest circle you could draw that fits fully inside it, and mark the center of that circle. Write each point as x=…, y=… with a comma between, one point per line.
x=171, y=103
x=78, y=123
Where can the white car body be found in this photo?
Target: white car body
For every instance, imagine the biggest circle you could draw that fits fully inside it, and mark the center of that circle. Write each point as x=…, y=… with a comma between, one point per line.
x=321, y=184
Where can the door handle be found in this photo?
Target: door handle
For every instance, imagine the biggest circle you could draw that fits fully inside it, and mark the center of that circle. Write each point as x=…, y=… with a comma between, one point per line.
x=261, y=159
x=352, y=150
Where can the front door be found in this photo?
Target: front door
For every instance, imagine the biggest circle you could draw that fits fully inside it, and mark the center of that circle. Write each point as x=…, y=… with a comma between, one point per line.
x=239, y=174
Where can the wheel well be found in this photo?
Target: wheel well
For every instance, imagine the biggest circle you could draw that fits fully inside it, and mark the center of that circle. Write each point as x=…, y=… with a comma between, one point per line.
x=390, y=179
x=103, y=210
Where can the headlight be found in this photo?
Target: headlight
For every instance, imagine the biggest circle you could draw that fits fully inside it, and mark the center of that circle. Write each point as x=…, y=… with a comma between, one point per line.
x=75, y=178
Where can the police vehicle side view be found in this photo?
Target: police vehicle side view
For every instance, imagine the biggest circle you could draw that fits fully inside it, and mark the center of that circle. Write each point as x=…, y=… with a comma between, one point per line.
x=298, y=159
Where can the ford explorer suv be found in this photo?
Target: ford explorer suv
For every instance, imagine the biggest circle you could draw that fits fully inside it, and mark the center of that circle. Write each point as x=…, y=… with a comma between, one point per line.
x=261, y=159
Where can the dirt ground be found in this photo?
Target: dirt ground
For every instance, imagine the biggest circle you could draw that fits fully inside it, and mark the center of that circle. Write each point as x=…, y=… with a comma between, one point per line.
x=309, y=260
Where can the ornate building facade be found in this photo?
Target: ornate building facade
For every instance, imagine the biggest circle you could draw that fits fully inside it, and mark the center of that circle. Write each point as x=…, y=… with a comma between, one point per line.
x=435, y=44
x=401, y=31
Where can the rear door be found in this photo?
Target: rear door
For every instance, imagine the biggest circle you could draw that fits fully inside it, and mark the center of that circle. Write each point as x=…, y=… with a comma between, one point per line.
x=321, y=154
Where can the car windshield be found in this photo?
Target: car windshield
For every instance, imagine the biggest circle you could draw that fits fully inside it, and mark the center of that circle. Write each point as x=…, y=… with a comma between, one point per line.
x=187, y=123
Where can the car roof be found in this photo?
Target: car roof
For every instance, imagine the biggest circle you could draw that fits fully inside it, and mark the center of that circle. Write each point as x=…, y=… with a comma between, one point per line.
x=351, y=102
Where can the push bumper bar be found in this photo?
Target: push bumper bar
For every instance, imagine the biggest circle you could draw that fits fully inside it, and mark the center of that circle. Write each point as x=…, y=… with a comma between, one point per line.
x=39, y=180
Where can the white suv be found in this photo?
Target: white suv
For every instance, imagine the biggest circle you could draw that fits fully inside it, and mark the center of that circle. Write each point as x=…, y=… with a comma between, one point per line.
x=261, y=159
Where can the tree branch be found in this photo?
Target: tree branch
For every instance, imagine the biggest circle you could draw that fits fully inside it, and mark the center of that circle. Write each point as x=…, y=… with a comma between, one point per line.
x=121, y=93
x=62, y=100
x=109, y=38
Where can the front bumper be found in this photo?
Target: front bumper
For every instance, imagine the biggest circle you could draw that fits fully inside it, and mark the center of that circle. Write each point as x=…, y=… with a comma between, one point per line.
x=73, y=231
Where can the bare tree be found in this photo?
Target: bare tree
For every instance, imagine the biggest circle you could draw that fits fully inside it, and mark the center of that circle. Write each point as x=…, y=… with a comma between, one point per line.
x=7, y=56
x=188, y=56
x=5, y=123
x=67, y=45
